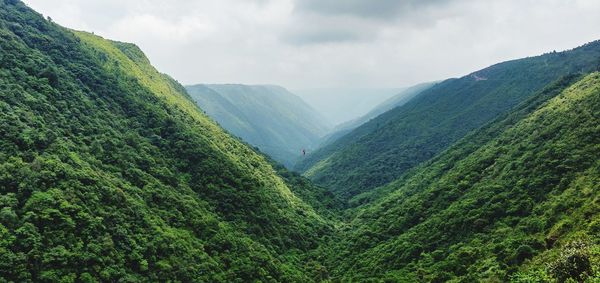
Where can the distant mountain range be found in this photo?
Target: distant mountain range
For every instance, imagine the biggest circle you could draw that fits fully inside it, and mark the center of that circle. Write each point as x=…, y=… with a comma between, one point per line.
x=268, y=117
x=340, y=105
x=399, y=99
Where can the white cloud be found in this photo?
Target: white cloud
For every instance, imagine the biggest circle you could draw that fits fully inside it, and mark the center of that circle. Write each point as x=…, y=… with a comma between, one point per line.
x=328, y=43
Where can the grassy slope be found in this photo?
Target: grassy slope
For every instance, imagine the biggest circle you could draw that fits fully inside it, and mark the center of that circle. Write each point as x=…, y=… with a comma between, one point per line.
x=505, y=200
x=384, y=148
x=109, y=171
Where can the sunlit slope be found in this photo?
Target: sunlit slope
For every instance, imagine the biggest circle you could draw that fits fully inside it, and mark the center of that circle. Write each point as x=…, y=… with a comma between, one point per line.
x=109, y=171
x=506, y=202
x=396, y=141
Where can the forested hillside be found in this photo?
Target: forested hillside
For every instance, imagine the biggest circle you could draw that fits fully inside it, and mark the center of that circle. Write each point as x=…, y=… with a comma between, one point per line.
x=109, y=172
x=271, y=118
x=397, y=100
x=396, y=141
x=516, y=200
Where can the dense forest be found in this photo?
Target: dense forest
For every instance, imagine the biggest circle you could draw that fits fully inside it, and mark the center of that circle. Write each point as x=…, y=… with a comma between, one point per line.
x=384, y=148
x=503, y=203
x=110, y=172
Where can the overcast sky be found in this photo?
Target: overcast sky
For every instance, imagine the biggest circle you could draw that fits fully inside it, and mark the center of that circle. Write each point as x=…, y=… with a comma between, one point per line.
x=329, y=43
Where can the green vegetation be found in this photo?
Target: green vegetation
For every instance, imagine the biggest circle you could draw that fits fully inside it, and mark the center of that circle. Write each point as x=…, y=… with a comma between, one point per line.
x=268, y=117
x=397, y=100
x=324, y=202
x=506, y=202
x=386, y=147
x=108, y=171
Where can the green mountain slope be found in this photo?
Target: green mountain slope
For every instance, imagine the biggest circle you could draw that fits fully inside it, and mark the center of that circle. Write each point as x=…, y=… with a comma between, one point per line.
x=396, y=141
x=518, y=199
x=397, y=100
x=109, y=171
x=269, y=117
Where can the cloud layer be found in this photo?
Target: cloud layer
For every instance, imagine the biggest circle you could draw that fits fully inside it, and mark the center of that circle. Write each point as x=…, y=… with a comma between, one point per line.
x=331, y=43
x=373, y=9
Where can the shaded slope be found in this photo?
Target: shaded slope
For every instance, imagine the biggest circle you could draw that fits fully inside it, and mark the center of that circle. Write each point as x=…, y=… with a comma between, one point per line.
x=504, y=200
x=109, y=171
x=324, y=202
x=389, y=145
x=269, y=117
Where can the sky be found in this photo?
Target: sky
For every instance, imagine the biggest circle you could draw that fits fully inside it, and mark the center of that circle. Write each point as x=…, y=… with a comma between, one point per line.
x=303, y=44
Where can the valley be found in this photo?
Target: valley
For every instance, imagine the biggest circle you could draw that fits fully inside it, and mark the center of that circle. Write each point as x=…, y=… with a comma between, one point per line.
x=111, y=171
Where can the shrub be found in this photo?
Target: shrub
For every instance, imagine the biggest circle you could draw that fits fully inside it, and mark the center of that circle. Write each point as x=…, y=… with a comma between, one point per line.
x=573, y=262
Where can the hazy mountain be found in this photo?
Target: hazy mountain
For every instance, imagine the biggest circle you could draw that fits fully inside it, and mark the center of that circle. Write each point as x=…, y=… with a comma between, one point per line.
x=397, y=100
x=341, y=105
x=382, y=149
x=269, y=117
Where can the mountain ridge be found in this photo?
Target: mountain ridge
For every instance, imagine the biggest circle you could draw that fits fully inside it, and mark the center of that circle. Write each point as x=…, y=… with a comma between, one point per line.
x=397, y=100
x=109, y=171
x=385, y=147
x=491, y=206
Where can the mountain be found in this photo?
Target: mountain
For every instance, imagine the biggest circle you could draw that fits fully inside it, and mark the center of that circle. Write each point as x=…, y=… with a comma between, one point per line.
x=517, y=200
x=271, y=118
x=386, y=147
x=397, y=100
x=110, y=172
x=340, y=105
